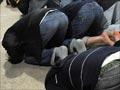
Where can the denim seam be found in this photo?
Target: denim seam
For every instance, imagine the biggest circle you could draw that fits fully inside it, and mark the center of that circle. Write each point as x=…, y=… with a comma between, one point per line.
x=47, y=14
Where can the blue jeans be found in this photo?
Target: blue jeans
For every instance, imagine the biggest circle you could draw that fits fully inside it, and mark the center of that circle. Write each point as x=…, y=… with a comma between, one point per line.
x=46, y=57
x=50, y=26
x=88, y=21
x=53, y=29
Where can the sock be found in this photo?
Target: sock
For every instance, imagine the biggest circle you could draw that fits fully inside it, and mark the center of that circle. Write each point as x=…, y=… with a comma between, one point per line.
x=77, y=45
x=59, y=52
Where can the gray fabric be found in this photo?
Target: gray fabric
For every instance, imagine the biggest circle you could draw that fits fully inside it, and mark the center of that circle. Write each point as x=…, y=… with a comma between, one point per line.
x=59, y=53
x=110, y=78
x=104, y=22
x=113, y=27
x=113, y=14
x=116, y=14
x=78, y=45
x=109, y=13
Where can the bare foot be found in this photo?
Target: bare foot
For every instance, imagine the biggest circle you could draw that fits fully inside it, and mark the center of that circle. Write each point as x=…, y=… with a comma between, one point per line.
x=106, y=39
x=117, y=36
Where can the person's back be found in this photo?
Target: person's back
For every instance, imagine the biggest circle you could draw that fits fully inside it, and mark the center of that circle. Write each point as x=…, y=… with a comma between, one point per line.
x=81, y=71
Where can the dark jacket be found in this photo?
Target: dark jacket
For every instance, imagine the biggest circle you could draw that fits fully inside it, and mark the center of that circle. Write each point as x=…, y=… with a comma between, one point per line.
x=79, y=72
x=25, y=36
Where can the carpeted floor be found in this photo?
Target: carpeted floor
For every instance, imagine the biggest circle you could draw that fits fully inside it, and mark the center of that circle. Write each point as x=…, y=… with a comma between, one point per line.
x=21, y=76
